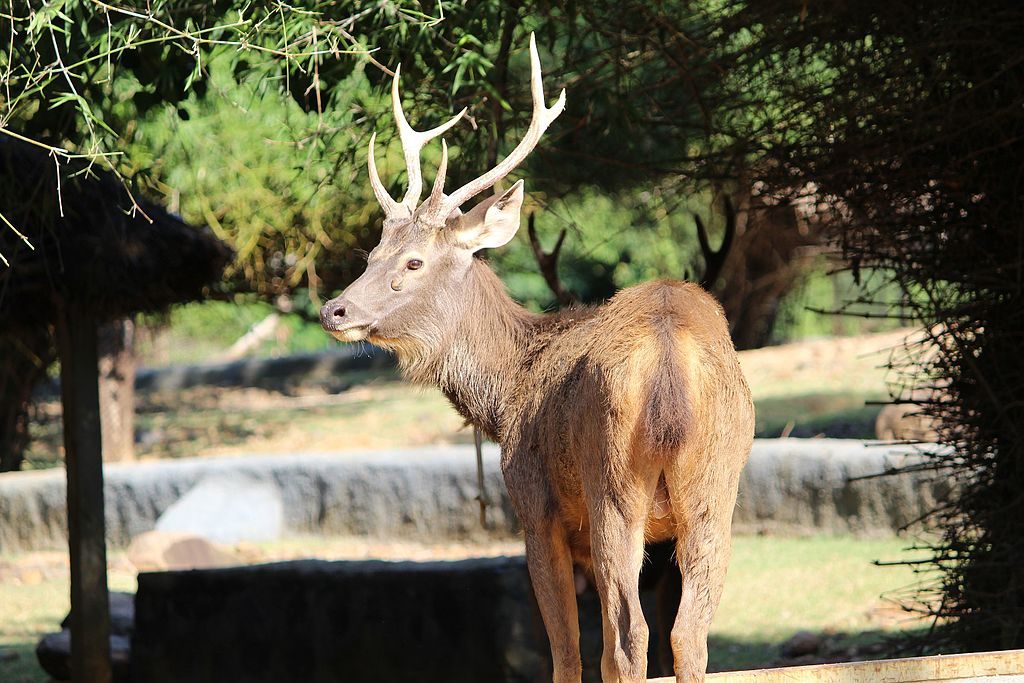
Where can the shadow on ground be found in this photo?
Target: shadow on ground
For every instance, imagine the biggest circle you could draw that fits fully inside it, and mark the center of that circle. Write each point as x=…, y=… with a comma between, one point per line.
x=18, y=663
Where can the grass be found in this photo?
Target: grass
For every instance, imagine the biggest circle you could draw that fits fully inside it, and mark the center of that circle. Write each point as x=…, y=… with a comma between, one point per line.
x=32, y=604
x=841, y=415
x=377, y=410
x=776, y=586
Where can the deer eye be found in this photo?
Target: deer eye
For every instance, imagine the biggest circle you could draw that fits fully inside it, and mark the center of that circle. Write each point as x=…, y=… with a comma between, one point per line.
x=414, y=264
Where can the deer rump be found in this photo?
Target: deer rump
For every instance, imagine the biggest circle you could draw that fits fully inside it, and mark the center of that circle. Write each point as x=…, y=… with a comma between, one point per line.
x=627, y=398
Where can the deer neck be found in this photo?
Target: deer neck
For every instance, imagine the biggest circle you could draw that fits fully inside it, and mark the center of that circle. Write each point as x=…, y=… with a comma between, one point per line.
x=479, y=362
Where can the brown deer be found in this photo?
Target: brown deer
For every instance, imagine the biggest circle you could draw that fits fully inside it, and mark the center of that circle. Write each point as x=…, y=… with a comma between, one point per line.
x=618, y=424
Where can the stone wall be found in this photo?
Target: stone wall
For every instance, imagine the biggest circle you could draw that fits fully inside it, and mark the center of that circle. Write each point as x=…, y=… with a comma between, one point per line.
x=790, y=486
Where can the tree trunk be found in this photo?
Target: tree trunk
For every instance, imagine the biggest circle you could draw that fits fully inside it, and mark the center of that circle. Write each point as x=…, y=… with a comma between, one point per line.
x=117, y=390
x=772, y=249
x=25, y=354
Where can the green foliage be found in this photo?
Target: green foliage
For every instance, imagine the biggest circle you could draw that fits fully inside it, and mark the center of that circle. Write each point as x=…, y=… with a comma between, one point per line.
x=593, y=250
x=254, y=120
x=821, y=306
x=77, y=75
x=282, y=185
x=79, y=71
x=612, y=241
x=196, y=332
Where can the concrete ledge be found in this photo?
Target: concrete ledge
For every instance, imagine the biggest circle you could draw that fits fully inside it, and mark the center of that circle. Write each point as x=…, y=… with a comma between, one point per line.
x=790, y=486
x=803, y=486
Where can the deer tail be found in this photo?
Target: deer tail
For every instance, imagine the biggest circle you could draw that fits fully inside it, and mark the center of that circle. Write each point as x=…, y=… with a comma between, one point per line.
x=668, y=413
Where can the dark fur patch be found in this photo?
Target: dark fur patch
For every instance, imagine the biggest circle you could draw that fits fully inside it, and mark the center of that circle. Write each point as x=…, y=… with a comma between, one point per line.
x=668, y=413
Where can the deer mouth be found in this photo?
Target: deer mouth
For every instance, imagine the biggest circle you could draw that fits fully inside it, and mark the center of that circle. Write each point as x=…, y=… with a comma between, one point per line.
x=351, y=333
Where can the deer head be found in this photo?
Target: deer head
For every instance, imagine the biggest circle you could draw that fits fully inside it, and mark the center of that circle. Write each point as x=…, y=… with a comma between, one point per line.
x=411, y=286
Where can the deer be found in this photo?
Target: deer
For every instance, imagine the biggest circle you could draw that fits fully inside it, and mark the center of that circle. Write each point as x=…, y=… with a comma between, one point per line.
x=618, y=423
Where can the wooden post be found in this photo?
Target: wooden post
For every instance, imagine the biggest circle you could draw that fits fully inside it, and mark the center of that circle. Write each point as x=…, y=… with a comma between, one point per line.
x=90, y=608
x=973, y=666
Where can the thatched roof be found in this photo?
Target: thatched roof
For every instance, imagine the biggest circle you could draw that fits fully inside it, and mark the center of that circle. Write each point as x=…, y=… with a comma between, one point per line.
x=90, y=248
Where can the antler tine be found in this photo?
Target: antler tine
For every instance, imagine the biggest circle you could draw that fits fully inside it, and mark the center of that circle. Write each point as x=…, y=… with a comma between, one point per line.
x=437, y=192
x=413, y=142
x=542, y=118
x=389, y=205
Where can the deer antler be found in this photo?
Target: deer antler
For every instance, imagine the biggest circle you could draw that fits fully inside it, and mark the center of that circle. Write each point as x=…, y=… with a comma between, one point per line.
x=439, y=207
x=412, y=143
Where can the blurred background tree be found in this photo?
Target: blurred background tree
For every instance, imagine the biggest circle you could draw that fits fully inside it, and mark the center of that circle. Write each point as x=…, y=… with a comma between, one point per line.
x=904, y=119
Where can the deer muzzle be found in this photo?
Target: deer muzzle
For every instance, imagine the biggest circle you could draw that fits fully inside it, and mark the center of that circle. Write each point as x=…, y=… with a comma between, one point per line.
x=345, y=321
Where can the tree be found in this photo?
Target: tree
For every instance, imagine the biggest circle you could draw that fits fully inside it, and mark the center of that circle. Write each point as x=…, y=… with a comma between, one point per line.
x=904, y=117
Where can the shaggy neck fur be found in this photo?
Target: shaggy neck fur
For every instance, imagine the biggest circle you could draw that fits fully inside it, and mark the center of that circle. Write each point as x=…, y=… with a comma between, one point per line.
x=478, y=360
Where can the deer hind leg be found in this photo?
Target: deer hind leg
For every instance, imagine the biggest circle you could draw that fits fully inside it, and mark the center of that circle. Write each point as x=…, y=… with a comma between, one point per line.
x=703, y=546
x=618, y=513
x=550, y=563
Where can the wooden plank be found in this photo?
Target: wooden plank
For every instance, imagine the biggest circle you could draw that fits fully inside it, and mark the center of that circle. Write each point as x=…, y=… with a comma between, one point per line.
x=90, y=611
x=996, y=667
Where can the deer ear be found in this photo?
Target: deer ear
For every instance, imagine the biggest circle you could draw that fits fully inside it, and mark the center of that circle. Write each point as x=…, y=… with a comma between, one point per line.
x=491, y=223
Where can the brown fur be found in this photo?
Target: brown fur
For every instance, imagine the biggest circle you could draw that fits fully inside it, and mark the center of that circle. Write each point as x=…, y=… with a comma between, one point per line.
x=619, y=424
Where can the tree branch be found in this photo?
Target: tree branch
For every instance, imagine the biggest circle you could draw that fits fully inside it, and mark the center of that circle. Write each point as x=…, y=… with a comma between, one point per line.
x=548, y=264
x=715, y=260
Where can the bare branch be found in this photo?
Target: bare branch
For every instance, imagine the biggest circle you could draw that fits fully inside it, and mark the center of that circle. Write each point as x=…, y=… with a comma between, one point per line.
x=714, y=260
x=548, y=264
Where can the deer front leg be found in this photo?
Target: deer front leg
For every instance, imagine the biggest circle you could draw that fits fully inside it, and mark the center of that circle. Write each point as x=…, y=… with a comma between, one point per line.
x=550, y=563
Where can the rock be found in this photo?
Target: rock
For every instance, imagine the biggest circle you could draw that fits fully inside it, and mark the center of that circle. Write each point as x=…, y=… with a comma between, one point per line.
x=54, y=649
x=122, y=614
x=120, y=656
x=801, y=644
x=791, y=486
x=227, y=508
x=54, y=655
x=162, y=550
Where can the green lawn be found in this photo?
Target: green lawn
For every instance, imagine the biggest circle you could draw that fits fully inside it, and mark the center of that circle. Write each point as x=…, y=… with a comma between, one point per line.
x=778, y=586
x=775, y=587
x=29, y=608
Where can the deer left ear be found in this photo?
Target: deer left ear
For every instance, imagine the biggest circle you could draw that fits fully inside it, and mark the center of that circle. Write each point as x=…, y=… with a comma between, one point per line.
x=491, y=223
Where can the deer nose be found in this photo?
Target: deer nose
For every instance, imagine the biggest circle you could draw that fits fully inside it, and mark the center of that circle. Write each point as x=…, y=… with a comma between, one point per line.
x=332, y=313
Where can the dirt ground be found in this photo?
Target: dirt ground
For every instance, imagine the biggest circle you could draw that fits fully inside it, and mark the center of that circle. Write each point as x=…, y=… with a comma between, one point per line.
x=832, y=364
